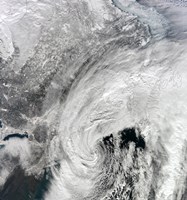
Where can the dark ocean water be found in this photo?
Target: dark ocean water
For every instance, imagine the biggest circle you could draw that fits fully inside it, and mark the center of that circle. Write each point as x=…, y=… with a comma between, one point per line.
x=21, y=186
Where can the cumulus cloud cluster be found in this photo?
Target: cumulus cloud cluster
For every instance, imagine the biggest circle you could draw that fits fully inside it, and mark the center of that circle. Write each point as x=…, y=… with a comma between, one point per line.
x=101, y=94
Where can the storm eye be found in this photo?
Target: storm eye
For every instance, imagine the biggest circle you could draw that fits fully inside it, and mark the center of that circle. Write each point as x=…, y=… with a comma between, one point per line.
x=131, y=135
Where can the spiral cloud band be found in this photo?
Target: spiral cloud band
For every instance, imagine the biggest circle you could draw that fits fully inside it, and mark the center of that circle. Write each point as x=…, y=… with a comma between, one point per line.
x=93, y=103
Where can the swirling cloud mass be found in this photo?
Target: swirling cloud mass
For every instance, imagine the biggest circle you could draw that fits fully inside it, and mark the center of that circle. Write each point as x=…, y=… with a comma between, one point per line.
x=93, y=100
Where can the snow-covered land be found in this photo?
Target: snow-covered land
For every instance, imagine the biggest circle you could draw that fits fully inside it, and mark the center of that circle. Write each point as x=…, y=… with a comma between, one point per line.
x=93, y=100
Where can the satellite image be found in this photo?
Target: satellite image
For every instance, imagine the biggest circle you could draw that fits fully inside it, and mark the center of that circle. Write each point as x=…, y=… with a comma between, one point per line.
x=93, y=99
